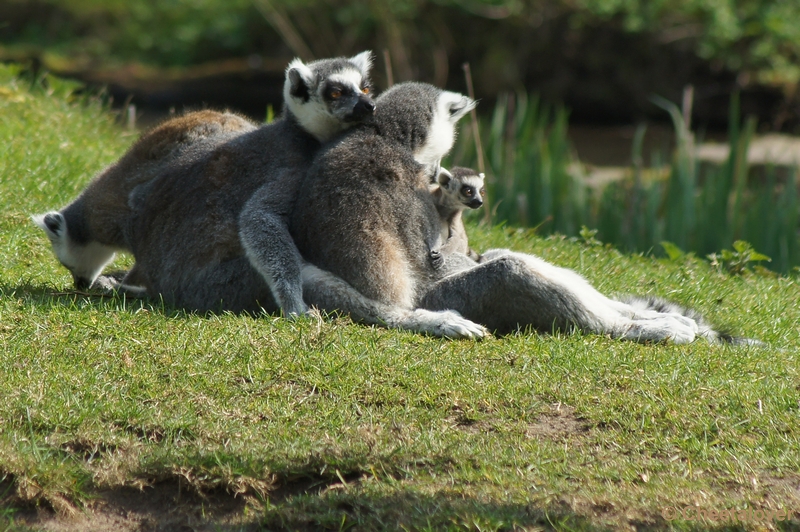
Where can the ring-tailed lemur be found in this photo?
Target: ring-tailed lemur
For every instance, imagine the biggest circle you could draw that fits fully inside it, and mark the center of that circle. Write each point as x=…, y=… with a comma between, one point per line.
x=211, y=233
x=368, y=242
x=365, y=217
x=455, y=191
x=87, y=233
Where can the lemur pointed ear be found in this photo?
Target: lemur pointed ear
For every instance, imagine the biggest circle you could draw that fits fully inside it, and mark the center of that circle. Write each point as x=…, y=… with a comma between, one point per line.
x=52, y=223
x=299, y=78
x=444, y=176
x=363, y=61
x=458, y=105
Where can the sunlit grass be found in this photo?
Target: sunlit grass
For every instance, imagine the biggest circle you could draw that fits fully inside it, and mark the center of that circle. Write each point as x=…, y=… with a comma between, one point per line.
x=327, y=424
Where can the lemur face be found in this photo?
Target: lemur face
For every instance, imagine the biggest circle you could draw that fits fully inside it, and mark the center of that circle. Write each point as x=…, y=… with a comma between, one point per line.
x=84, y=262
x=471, y=196
x=464, y=186
x=328, y=95
x=347, y=96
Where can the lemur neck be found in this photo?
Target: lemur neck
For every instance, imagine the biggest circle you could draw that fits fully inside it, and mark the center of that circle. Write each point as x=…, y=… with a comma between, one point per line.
x=315, y=121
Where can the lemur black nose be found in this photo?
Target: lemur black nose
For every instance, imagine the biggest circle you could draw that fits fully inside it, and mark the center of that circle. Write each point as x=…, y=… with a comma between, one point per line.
x=475, y=203
x=364, y=107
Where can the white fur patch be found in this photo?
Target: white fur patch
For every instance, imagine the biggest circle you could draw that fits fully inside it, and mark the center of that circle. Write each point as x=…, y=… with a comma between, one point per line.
x=476, y=181
x=349, y=77
x=83, y=261
x=302, y=69
x=363, y=61
x=450, y=107
x=457, y=105
x=314, y=117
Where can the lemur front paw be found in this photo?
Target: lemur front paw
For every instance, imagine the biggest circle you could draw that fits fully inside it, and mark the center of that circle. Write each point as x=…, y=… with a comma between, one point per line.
x=436, y=258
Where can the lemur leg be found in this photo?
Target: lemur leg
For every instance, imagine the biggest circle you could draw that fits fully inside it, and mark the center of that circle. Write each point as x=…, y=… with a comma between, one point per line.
x=264, y=234
x=328, y=292
x=591, y=297
x=121, y=282
x=510, y=290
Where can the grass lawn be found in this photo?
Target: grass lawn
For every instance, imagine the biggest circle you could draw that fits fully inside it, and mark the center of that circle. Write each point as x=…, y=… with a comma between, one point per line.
x=125, y=415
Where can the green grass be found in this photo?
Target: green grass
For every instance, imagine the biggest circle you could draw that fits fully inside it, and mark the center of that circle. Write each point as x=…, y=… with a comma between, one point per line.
x=330, y=425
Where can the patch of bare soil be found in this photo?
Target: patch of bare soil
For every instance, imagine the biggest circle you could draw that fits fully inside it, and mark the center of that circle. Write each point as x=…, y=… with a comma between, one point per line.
x=163, y=507
x=560, y=421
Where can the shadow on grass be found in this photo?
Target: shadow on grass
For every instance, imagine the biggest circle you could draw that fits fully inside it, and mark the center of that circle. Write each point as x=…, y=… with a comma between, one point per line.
x=309, y=505
x=339, y=507
x=42, y=295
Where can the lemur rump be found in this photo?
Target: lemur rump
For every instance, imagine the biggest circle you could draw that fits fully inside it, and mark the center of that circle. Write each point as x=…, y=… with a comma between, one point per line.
x=211, y=233
x=87, y=233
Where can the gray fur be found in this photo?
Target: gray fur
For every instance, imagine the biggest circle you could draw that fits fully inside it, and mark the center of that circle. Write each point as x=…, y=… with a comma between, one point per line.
x=365, y=217
x=366, y=225
x=87, y=233
x=508, y=291
x=211, y=232
x=705, y=329
x=456, y=190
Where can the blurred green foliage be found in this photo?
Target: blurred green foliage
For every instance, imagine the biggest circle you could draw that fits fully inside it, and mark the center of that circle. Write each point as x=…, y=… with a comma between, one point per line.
x=534, y=180
x=758, y=37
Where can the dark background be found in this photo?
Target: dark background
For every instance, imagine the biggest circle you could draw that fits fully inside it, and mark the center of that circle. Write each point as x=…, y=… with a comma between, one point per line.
x=603, y=59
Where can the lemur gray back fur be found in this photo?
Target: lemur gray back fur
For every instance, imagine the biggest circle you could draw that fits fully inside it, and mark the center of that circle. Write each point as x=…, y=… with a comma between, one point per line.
x=210, y=233
x=456, y=190
x=365, y=217
x=87, y=233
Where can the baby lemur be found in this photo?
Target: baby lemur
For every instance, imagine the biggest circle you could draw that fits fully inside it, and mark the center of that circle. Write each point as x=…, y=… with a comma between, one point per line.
x=455, y=191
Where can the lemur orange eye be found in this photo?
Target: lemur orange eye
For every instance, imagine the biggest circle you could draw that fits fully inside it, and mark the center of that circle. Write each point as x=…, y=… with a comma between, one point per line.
x=365, y=90
x=483, y=192
x=336, y=94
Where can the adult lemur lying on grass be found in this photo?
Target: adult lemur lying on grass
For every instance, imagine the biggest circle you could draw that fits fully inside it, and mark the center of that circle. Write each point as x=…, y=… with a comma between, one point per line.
x=366, y=222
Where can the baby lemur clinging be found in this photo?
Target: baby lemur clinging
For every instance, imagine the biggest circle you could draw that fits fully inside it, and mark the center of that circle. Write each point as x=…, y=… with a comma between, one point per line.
x=455, y=191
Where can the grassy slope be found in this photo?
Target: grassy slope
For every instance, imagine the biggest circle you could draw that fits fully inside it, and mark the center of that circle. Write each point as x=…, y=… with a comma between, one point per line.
x=530, y=430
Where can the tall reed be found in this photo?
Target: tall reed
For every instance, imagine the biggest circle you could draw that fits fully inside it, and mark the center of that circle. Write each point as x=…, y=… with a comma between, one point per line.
x=535, y=180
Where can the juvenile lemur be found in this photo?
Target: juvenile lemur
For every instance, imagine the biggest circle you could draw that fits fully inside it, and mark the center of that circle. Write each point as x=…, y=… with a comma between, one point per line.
x=366, y=221
x=210, y=233
x=455, y=191
x=87, y=233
